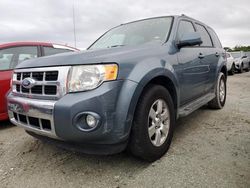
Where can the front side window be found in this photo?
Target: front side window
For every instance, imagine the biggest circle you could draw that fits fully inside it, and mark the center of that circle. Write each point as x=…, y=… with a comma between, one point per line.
x=184, y=27
x=205, y=37
x=135, y=33
x=10, y=57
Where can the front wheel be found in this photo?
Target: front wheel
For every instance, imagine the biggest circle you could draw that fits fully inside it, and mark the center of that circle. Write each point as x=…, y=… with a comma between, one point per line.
x=153, y=124
x=220, y=93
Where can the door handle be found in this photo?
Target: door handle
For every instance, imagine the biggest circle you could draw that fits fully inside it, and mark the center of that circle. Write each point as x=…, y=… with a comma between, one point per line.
x=201, y=55
x=217, y=54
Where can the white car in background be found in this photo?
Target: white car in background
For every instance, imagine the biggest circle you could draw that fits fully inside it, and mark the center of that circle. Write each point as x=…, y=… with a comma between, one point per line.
x=230, y=64
x=248, y=57
x=241, y=61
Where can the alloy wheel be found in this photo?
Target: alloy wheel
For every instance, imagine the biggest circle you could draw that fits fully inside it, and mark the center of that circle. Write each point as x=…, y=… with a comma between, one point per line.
x=158, y=122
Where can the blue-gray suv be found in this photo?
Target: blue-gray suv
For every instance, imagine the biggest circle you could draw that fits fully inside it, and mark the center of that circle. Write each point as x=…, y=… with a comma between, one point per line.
x=125, y=91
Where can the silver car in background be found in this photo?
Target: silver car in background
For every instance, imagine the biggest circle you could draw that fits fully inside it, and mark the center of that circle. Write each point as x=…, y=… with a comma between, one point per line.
x=241, y=61
x=230, y=64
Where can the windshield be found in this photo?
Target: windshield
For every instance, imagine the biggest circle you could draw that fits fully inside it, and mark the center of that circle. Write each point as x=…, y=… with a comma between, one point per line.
x=135, y=33
x=236, y=54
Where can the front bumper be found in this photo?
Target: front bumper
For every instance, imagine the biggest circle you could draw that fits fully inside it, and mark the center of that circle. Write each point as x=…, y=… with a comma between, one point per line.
x=110, y=101
x=237, y=65
x=30, y=113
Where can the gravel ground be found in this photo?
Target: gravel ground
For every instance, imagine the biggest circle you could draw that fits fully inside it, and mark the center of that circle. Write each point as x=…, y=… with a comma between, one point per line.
x=211, y=148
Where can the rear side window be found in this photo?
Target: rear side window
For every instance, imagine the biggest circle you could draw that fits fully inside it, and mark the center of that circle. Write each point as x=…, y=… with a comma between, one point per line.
x=184, y=27
x=10, y=57
x=52, y=51
x=205, y=37
x=215, y=38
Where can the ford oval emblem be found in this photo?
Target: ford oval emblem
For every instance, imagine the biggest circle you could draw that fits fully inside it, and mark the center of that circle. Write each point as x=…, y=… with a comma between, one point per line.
x=28, y=83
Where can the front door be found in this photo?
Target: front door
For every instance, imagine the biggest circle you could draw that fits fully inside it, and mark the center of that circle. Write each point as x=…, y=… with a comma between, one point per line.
x=192, y=73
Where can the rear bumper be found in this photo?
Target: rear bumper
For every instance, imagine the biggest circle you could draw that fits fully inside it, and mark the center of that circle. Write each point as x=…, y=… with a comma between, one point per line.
x=4, y=116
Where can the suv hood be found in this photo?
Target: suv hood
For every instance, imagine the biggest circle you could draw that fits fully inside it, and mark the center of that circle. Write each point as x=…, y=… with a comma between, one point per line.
x=116, y=54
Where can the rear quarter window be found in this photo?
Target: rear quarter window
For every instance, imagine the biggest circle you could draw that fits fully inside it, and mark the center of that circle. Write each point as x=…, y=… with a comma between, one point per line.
x=215, y=38
x=52, y=51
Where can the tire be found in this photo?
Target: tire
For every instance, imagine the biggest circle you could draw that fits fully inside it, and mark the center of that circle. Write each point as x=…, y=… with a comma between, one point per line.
x=248, y=68
x=232, y=71
x=241, y=68
x=141, y=144
x=218, y=102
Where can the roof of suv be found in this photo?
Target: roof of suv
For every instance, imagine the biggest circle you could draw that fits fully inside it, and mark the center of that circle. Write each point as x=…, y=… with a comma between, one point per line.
x=175, y=16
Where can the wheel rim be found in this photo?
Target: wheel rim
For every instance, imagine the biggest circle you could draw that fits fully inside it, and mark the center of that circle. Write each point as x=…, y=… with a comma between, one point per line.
x=158, y=122
x=222, y=90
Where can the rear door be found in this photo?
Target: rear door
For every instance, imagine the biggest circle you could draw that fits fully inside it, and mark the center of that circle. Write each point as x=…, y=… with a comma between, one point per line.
x=191, y=72
x=218, y=55
x=209, y=58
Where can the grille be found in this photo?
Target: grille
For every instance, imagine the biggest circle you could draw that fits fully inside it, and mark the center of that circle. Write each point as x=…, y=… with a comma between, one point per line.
x=51, y=75
x=37, y=89
x=42, y=86
x=39, y=76
x=41, y=124
x=50, y=82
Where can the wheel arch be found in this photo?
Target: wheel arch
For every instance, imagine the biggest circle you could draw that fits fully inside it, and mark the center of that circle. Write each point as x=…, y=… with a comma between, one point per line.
x=161, y=77
x=223, y=69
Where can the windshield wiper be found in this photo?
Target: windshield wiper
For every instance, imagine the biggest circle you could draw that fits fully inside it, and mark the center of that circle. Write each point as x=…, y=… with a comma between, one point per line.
x=115, y=46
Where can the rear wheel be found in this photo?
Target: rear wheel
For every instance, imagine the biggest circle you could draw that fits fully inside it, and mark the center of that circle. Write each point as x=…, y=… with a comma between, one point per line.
x=220, y=94
x=153, y=124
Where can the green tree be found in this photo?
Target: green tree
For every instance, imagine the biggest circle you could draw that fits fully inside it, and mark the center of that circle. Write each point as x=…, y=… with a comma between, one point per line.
x=241, y=48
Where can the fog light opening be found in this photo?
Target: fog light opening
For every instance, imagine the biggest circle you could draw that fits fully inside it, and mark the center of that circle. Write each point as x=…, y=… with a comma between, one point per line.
x=91, y=121
x=87, y=121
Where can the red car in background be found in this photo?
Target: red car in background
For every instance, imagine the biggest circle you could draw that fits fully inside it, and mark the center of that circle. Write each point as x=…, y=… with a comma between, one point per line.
x=13, y=53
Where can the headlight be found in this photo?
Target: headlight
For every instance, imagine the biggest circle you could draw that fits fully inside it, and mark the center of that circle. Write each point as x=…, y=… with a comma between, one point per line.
x=87, y=77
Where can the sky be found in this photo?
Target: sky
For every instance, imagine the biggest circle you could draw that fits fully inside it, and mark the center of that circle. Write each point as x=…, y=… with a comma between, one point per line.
x=52, y=20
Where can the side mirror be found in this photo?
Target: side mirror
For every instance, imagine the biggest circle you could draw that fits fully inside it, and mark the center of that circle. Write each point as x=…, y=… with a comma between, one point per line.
x=189, y=39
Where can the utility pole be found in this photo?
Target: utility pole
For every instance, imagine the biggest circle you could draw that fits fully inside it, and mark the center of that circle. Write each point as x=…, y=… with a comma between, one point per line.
x=74, y=24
